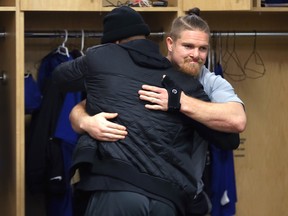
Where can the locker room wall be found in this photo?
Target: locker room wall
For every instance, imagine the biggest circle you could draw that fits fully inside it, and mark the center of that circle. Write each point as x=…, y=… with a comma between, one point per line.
x=261, y=161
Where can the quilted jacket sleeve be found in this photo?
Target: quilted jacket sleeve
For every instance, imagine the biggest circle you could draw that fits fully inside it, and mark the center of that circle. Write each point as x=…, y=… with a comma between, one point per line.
x=69, y=76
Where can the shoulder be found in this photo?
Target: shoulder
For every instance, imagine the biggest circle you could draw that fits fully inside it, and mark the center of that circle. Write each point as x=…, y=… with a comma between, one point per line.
x=210, y=80
x=101, y=51
x=216, y=87
x=100, y=47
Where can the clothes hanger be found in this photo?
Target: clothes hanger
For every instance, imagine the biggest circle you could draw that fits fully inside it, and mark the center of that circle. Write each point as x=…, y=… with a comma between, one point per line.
x=211, y=54
x=27, y=75
x=238, y=75
x=82, y=42
x=214, y=53
x=254, y=66
x=209, y=59
x=62, y=49
x=220, y=49
x=218, y=55
x=209, y=63
x=226, y=54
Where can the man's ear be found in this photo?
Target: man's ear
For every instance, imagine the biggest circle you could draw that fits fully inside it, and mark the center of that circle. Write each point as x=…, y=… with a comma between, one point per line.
x=169, y=43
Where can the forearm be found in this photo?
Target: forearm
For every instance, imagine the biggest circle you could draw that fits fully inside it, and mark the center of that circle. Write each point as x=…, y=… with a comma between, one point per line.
x=227, y=117
x=77, y=117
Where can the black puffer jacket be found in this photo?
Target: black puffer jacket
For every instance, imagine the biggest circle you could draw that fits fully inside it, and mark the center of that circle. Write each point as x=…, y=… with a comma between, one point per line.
x=159, y=144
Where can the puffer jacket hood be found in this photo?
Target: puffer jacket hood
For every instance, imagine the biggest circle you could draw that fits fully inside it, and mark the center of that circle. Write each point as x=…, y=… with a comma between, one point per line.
x=148, y=56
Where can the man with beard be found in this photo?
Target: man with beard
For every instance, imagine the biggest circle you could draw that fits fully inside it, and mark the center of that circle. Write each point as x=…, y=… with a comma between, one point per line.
x=149, y=172
x=187, y=50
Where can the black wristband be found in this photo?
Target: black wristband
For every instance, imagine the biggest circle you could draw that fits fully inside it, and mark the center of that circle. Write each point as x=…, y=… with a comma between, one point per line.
x=174, y=94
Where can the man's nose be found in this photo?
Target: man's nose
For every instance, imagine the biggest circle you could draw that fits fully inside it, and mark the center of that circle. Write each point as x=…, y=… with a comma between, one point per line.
x=194, y=53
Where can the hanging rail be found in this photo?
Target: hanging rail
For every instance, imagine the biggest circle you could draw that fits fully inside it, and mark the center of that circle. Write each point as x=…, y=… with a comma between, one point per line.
x=248, y=34
x=3, y=34
x=74, y=34
x=93, y=34
x=71, y=34
x=156, y=34
x=56, y=34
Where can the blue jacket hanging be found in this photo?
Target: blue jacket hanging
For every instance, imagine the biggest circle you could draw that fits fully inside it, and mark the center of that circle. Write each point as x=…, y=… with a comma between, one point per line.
x=223, y=184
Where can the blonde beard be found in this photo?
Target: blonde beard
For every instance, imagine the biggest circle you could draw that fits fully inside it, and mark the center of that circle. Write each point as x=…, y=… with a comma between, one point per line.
x=191, y=68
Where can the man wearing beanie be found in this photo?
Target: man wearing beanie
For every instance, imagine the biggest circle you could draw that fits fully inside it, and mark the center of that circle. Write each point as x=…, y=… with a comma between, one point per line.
x=148, y=172
x=122, y=23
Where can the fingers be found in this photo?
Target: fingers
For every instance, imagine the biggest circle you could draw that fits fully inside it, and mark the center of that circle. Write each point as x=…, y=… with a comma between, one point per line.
x=110, y=125
x=114, y=132
x=101, y=128
x=157, y=97
x=109, y=134
x=110, y=115
x=112, y=137
x=155, y=104
x=154, y=107
x=152, y=88
x=146, y=98
x=150, y=93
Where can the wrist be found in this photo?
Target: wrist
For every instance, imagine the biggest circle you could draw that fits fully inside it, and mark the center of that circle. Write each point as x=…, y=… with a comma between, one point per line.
x=185, y=105
x=174, y=100
x=82, y=123
x=174, y=94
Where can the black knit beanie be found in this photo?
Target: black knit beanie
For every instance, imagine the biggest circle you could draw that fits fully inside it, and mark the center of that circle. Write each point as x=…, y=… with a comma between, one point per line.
x=123, y=22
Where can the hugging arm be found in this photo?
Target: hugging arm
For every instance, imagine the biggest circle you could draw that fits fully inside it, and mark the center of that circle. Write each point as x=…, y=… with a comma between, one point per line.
x=159, y=99
x=69, y=76
x=223, y=140
x=227, y=116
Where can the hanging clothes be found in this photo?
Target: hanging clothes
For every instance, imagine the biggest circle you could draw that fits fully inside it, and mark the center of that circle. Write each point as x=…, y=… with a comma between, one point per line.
x=62, y=204
x=43, y=152
x=223, y=183
x=32, y=94
x=52, y=141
